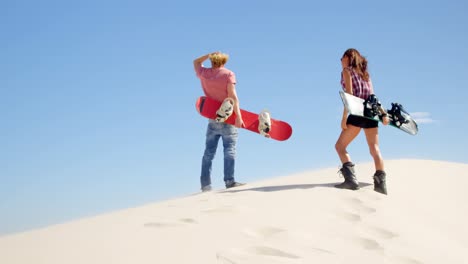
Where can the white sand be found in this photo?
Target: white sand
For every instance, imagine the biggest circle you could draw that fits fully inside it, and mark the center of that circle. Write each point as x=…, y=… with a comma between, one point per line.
x=295, y=219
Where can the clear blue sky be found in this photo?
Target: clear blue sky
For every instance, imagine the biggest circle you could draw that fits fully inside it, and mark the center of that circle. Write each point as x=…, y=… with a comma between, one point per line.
x=97, y=97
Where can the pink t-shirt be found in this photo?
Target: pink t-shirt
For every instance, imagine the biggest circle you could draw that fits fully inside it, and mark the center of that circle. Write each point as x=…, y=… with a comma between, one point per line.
x=214, y=81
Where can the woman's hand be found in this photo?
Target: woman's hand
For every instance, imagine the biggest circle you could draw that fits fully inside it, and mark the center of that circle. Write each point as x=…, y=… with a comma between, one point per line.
x=343, y=124
x=385, y=120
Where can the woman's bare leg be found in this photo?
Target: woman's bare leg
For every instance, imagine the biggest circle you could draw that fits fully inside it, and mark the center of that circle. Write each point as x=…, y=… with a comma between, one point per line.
x=346, y=137
x=372, y=137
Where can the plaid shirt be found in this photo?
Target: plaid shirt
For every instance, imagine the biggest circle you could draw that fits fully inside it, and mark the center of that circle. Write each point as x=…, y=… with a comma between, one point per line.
x=361, y=88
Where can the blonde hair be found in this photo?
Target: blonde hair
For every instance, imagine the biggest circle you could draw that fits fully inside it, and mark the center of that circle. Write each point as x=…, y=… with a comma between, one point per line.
x=218, y=59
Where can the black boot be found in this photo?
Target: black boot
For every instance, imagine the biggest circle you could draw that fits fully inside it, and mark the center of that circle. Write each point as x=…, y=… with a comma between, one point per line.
x=379, y=182
x=350, y=181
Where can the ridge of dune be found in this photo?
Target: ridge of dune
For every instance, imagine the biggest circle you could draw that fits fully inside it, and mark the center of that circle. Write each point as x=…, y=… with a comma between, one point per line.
x=300, y=218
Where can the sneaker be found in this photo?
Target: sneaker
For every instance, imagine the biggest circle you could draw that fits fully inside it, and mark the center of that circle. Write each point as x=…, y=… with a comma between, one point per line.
x=233, y=184
x=206, y=188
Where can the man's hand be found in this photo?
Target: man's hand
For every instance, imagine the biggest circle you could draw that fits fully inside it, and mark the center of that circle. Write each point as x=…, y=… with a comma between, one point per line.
x=198, y=61
x=239, y=122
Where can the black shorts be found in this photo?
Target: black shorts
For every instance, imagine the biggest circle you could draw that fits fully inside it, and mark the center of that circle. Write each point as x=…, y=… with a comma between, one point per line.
x=361, y=122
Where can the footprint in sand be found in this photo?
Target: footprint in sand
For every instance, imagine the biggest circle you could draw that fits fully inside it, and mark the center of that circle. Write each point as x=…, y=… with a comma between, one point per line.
x=261, y=254
x=383, y=233
x=223, y=209
x=160, y=224
x=264, y=232
x=405, y=260
x=224, y=260
x=269, y=232
x=360, y=206
x=272, y=252
x=254, y=255
x=168, y=224
x=352, y=217
x=188, y=220
x=369, y=244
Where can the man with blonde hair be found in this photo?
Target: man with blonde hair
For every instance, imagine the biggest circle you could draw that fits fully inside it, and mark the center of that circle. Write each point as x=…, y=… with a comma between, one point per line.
x=219, y=83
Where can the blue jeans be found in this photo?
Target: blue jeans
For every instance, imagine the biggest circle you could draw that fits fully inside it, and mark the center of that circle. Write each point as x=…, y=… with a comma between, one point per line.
x=228, y=133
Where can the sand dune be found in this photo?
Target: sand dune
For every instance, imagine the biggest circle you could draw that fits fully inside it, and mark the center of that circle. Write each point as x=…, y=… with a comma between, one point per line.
x=299, y=218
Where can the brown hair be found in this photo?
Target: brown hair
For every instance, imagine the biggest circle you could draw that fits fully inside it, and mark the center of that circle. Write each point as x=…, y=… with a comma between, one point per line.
x=358, y=63
x=218, y=59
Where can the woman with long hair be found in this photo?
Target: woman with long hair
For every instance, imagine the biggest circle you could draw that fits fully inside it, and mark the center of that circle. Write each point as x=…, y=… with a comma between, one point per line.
x=355, y=80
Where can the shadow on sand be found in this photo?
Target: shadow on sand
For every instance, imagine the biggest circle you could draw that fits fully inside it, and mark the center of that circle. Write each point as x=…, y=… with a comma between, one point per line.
x=291, y=187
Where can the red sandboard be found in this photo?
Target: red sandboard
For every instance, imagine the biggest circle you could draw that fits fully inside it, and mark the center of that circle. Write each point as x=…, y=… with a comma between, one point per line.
x=280, y=130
